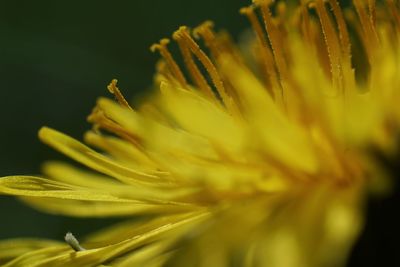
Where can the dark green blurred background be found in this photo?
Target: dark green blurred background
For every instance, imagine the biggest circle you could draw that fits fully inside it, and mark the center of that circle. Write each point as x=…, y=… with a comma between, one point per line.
x=56, y=58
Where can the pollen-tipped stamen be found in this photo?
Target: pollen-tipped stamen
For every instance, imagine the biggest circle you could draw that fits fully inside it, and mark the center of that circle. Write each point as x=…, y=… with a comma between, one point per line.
x=187, y=40
x=266, y=53
x=344, y=38
x=101, y=121
x=394, y=11
x=112, y=87
x=372, y=11
x=276, y=40
x=172, y=65
x=369, y=32
x=332, y=44
x=194, y=71
x=204, y=31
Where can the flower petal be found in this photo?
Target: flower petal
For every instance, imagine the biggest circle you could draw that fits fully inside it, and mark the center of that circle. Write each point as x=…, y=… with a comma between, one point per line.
x=199, y=116
x=12, y=248
x=40, y=187
x=94, y=257
x=157, y=138
x=279, y=137
x=92, y=159
x=69, y=174
x=80, y=208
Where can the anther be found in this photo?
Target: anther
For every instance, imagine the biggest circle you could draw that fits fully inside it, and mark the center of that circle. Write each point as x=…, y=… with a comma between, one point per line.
x=205, y=32
x=194, y=71
x=197, y=32
x=277, y=45
x=394, y=12
x=182, y=33
x=332, y=44
x=370, y=35
x=112, y=87
x=172, y=65
x=73, y=242
x=275, y=38
x=344, y=38
x=266, y=53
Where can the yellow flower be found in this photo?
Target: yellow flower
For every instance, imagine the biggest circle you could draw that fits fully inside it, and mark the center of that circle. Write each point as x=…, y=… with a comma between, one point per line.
x=263, y=158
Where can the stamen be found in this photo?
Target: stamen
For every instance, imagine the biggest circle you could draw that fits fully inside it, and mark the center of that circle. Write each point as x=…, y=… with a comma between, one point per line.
x=112, y=87
x=372, y=11
x=163, y=72
x=312, y=35
x=281, y=10
x=343, y=33
x=266, y=53
x=101, y=121
x=183, y=34
x=220, y=44
x=194, y=71
x=332, y=44
x=205, y=31
x=173, y=66
x=311, y=31
x=370, y=35
x=227, y=45
x=305, y=23
x=275, y=39
x=348, y=72
x=73, y=242
x=394, y=11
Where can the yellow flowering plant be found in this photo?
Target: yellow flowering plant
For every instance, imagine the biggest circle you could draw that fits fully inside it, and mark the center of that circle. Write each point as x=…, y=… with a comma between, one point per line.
x=251, y=156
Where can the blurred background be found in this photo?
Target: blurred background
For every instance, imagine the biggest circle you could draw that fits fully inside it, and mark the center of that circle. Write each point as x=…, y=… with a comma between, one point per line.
x=56, y=58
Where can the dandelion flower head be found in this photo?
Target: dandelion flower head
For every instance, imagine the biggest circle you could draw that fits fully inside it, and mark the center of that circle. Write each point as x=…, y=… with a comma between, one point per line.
x=250, y=155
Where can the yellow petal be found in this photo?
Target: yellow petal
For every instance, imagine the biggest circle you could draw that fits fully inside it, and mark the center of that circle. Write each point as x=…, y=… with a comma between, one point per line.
x=12, y=248
x=122, y=151
x=93, y=257
x=72, y=175
x=36, y=256
x=158, y=138
x=105, y=209
x=39, y=187
x=151, y=256
x=132, y=228
x=91, y=158
x=198, y=115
